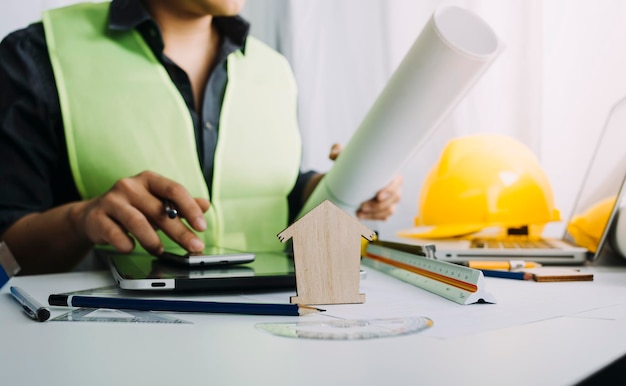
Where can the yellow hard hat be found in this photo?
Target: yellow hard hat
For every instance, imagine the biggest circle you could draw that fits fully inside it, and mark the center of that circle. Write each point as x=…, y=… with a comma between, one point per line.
x=481, y=181
x=586, y=228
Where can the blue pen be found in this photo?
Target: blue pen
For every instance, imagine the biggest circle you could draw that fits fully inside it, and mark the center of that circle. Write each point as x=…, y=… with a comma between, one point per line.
x=32, y=308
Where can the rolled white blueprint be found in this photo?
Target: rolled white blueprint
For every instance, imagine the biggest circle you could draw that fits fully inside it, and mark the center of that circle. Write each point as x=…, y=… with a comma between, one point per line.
x=450, y=54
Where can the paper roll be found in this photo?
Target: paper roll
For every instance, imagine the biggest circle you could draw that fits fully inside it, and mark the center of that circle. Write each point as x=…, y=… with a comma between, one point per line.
x=450, y=54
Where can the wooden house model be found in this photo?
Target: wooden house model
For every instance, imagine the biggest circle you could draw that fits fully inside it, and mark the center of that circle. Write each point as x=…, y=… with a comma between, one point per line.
x=327, y=255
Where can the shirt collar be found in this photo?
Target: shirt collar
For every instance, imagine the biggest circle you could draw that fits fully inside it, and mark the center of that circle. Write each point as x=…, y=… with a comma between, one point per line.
x=125, y=15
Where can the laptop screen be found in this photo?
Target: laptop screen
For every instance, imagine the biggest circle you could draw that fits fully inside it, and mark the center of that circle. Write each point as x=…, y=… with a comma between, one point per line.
x=602, y=188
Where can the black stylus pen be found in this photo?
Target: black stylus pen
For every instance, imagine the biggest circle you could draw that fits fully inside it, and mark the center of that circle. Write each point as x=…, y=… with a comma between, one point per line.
x=171, y=211
x=31, y=306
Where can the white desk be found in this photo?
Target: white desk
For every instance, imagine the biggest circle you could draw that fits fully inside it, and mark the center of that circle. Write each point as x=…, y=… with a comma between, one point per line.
x=538, y=333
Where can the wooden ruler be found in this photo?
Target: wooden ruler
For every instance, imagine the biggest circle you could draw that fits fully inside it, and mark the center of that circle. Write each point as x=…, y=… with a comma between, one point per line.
x=454, y=282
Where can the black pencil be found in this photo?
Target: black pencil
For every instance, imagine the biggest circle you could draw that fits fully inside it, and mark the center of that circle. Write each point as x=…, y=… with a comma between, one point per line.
x=180, y=305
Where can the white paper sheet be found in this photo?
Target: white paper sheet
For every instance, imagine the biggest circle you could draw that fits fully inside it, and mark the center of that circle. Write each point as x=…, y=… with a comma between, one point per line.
x=519, y=302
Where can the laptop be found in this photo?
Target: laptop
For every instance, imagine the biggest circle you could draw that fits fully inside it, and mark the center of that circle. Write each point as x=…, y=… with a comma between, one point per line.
x=604, y=179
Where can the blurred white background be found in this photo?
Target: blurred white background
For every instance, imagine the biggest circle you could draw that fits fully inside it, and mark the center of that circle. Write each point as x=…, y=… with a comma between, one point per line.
x=563, y=68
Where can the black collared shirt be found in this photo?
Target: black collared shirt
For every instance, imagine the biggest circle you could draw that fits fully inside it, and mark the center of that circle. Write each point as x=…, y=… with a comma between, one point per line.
x=34, y=169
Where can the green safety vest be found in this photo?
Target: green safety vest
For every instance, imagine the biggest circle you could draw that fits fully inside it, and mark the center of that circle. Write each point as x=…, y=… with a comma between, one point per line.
x=123, y=115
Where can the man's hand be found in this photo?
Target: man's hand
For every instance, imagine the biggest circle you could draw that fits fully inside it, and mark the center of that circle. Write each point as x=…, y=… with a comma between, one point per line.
x=135, y=206
x=384, y=204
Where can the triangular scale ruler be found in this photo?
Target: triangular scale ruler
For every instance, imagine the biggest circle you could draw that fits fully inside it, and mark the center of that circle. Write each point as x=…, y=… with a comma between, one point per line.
x=454, y=282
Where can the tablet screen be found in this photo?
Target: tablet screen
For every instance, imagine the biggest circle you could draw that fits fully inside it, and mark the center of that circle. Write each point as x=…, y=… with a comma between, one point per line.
x=146, y=272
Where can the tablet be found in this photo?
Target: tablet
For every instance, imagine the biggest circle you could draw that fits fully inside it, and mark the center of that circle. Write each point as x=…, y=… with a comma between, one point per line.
x=143, y=272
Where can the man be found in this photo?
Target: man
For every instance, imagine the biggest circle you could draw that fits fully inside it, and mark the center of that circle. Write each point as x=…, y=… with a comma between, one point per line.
x=110, y=112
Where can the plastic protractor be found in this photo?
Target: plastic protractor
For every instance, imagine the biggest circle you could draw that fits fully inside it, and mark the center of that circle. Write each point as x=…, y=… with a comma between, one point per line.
x=342, y=329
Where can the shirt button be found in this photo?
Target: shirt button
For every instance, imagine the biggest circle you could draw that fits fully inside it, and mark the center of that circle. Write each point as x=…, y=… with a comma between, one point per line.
x=208, y=125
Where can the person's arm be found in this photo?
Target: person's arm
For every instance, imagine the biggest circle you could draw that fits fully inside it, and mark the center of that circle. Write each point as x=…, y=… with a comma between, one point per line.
x=57, y=239
x=45, y=242
x=42, y=218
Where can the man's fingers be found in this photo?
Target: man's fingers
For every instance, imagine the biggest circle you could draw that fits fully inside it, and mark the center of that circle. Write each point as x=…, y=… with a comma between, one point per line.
x=186, y=238
x=173, y=227
x=107, y=231
x=133, y=221
x=384, y=204
x=335, y=150
x=136, y=207
x=203, y=203
x=392, y=192
x=136, y=223
x=186, y=206
x=377, y=213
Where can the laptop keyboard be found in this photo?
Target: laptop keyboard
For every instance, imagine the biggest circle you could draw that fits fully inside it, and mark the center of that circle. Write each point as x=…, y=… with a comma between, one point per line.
x=510, y=244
